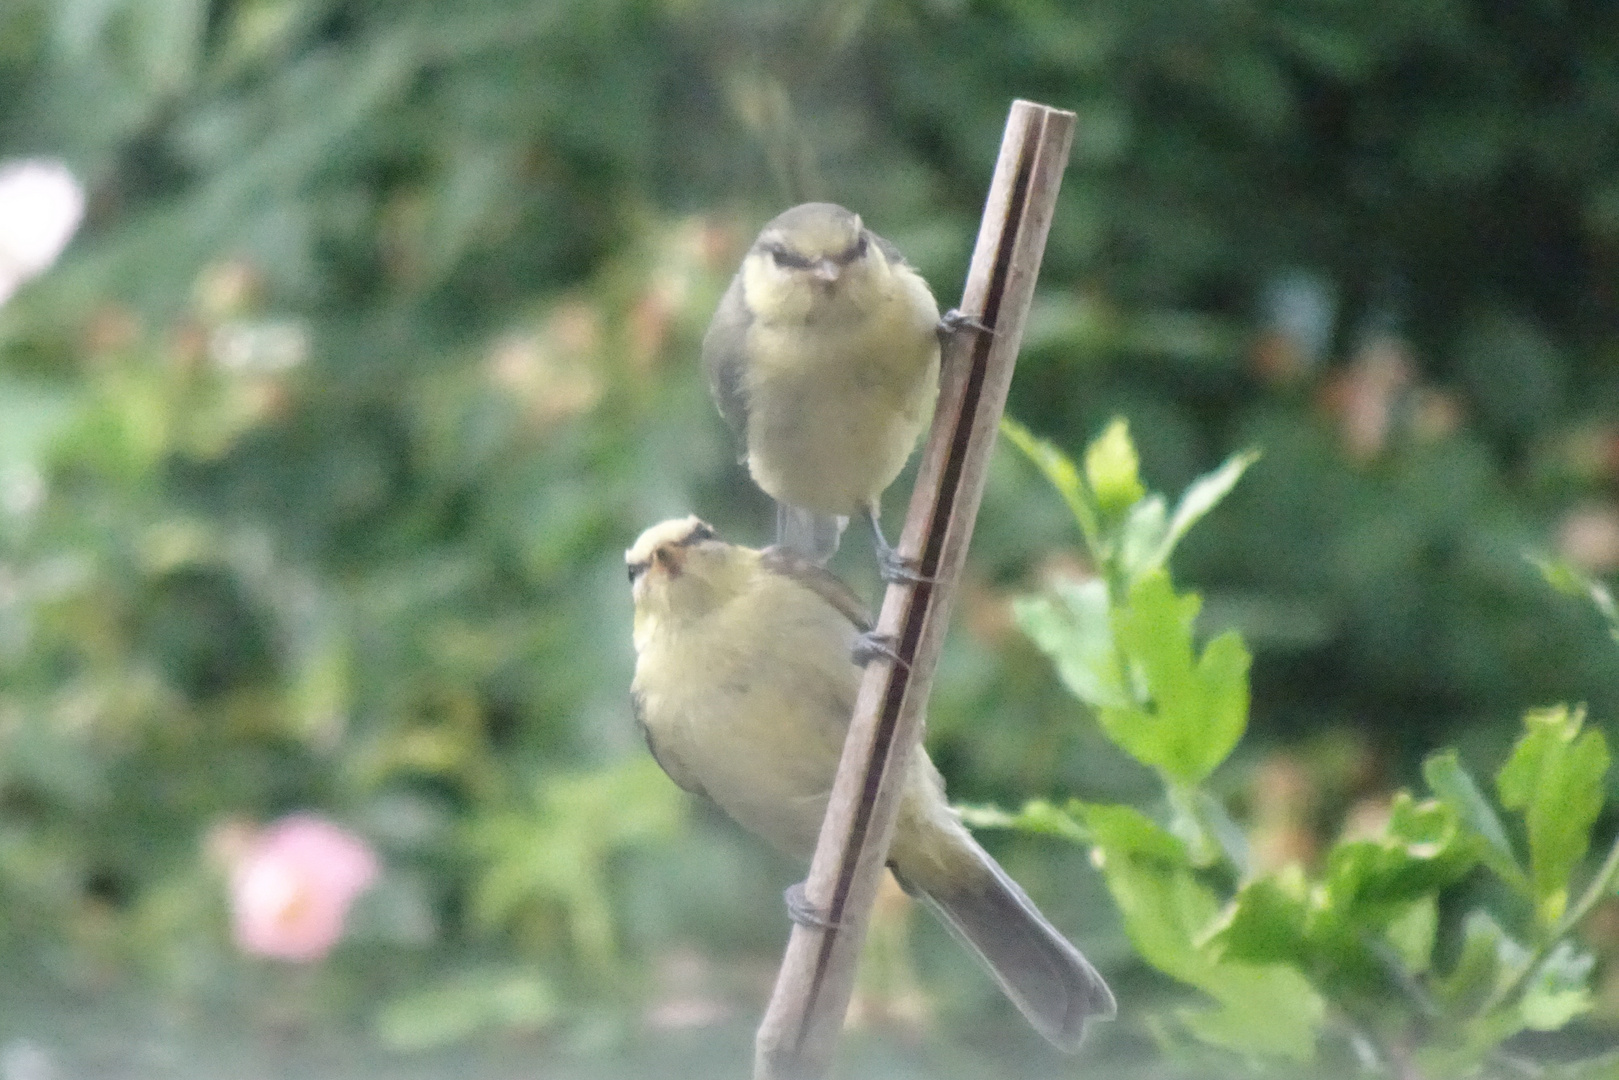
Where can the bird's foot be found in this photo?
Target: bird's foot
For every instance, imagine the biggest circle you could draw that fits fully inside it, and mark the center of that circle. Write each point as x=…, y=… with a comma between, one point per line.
x=896, y=569
x=802, y=912
x=955, y=321
x=892, y=567
x=874, y=646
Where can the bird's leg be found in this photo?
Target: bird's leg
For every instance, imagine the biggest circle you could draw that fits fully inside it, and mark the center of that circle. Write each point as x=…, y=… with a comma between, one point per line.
x=874, y=646
x=955, y=321
x=892, y=567
x=802, y=912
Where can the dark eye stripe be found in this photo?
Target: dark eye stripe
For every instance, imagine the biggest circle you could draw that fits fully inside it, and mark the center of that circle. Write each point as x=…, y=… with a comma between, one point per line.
x=784, y=257
x=636, y=569
x=856, y=252
x=700, y=532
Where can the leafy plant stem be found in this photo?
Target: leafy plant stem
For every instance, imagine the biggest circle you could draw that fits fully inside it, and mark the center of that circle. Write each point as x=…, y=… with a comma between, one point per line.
x=1599, y=887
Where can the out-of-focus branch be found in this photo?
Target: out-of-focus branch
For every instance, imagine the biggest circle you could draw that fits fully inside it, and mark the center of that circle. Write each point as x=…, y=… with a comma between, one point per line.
x=799, y=1034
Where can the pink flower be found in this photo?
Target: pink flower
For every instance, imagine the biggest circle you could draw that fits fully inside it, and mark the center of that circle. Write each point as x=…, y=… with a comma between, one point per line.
x=291, y=885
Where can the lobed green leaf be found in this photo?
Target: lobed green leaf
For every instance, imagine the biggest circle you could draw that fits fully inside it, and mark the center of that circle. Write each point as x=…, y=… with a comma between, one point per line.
x=1265, y=1009
x=1421, y=850
x=1072, y=626
x=1193, y=709
x=1267, y=921
x=1555, y=777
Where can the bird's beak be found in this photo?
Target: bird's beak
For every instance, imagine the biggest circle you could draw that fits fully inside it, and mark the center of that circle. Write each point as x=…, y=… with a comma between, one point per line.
x=825, y=270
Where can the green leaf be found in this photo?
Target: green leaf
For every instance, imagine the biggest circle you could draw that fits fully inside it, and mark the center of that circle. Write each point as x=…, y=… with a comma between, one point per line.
x=1063, y=474
x=1567, y=579
x=1126, y=830
x=1369, y=882
x=558, y=851
x=1202, y=821
x=1266, y=922
x=1113, y=469
x=1196, y=707
x=1559, y=990
x=1412, y=933
x=1163, y=905
x=1072, y=626
x=1271, y=1010
x=1555, y=777
x=1488, y=962
x=1141, y=537
x=1038, y=817
x=1456, y=788
x=1267, y=1009
x=1204, y=495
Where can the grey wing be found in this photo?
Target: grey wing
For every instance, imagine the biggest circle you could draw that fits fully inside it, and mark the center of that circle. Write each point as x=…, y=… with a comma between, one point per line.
x=724, y=360
x=668, y=764
x=819, y=580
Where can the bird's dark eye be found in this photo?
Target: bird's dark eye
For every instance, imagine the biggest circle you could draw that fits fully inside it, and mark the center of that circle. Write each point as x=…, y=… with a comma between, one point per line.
x=787, y=259
x=636, y=569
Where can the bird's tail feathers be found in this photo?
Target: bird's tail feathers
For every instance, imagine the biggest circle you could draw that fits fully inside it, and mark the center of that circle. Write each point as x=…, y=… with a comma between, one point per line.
x=814, y=536
x=1051, y=983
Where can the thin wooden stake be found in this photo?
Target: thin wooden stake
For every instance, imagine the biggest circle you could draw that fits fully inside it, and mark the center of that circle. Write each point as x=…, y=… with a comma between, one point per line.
x=800, y=1030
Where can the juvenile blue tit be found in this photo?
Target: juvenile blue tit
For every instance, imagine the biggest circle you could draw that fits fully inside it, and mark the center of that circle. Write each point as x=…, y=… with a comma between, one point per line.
x=744, y=688
x=824, y=358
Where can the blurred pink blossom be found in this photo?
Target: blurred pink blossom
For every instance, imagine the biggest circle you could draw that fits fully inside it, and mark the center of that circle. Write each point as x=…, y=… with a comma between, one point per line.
x=1366, y=394
x=41, y=203
x=291, y=886
x=1589, y=537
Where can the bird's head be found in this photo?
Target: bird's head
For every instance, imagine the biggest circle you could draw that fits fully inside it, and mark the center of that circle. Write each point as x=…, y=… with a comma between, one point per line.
x=679, y=570
x=812, y=255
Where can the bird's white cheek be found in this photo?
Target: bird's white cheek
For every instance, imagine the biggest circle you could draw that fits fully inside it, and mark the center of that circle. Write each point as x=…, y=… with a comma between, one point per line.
x=773, y=295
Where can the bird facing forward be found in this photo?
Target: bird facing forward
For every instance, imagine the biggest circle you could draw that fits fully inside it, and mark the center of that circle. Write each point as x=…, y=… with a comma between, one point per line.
x=824, y=358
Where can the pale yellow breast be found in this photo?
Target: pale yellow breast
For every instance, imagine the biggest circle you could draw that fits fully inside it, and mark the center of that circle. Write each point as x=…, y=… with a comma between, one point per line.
x=753, y=701
x=836, y=404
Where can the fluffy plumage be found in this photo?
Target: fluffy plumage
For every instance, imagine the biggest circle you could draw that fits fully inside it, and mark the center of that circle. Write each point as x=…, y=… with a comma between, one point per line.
x=744, y=685
x=824, y=358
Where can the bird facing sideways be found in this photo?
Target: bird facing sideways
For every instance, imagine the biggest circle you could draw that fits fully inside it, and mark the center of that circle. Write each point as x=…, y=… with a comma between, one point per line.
x=823, y=357
x=744, y=686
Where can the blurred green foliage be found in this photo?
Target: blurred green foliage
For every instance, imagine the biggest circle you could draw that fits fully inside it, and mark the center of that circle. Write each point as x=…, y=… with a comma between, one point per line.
x=319, y=447
x=1332, y=964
